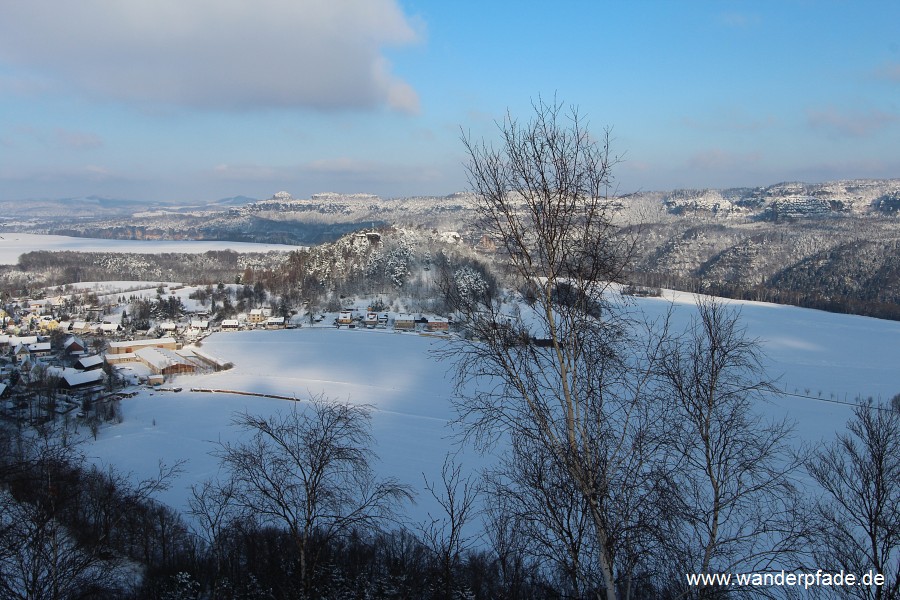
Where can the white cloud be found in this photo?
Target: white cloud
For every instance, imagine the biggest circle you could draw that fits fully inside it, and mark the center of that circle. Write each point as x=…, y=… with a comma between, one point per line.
x=889, y=72
x=225, y=54
x=77, y=139
x=849, y=124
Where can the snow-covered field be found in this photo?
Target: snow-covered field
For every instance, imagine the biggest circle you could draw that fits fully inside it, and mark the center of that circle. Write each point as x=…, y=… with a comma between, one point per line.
x=13, y=245
x=812, y=352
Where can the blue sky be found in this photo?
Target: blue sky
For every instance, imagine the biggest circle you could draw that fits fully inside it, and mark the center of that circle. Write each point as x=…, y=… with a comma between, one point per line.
x=192, y=100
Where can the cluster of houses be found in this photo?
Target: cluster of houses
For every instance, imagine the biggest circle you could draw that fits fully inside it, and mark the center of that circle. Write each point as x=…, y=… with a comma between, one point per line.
x=28, y=358
x=257, y=318
x=34, y=343
x=399, y=322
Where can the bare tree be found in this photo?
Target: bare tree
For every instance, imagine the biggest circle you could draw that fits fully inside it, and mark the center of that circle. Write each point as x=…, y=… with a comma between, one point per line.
x=446, y=535
x=568, y=374
x=858, y=517
x=309, y=470
x=40, y=555
x=213, y=506
x=734, y=504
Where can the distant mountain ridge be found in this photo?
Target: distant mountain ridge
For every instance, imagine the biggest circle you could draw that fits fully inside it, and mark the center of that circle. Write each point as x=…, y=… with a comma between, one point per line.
x=828, y=245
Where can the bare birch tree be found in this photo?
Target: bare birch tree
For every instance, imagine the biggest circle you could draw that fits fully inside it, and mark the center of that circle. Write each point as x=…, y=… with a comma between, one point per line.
x=858, y=516
x=568, y=375
x=734, y=504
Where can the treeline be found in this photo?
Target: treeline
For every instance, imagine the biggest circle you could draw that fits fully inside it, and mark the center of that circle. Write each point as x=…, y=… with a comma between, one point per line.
x=297, y=512
x=858, y=277
x=53, y=268
x=71, y=530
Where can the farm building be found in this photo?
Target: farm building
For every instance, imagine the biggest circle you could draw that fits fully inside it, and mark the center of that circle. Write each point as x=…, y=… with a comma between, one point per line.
x=135, y=345
x=123, y=357
x=162, y=361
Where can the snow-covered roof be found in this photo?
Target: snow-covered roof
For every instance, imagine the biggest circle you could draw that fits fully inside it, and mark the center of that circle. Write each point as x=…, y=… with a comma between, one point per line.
x=39, y=347
x=73, y=340
x=142, y=343
x=275, y=320
x=230, y=323
x=167, y=326
x=90, y=361
x=161, y=358
x=83, y=377
x=109, y=326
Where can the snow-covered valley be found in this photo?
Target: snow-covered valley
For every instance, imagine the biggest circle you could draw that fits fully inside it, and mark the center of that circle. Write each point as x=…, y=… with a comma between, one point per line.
x=822, y=360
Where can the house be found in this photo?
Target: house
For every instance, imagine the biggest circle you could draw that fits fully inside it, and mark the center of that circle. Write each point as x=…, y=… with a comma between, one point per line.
x=168, y=326
x=80, y=380
x=230, y=325
x=74, y=344
x=80, y=327
x=275, y=323
x=48, y=323
x=405, y=322
x=39, y=349
x=382, y=321
x=89, y=363
x=21, y=353
x=200, y=324
x=371, y=320
x=256, y=316
x=345, y=317
x=438, y=324
x=109, y=328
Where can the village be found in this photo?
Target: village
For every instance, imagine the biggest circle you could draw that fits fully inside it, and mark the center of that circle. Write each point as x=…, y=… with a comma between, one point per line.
x=68, y=355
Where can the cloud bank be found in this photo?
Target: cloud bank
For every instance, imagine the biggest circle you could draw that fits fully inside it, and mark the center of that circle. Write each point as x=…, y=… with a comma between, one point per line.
x=220, y=54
